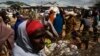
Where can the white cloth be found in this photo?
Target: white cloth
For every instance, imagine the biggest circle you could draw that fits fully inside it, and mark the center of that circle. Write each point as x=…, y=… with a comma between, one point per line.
x=23, y=35
x=18, y=51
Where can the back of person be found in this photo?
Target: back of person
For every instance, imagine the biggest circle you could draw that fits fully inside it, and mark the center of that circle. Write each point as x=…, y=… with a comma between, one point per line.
x=86, y=22
x=58, y=23
x=6, y=39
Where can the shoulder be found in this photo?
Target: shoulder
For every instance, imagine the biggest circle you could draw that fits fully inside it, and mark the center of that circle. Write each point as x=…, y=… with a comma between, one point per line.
x=22, y=25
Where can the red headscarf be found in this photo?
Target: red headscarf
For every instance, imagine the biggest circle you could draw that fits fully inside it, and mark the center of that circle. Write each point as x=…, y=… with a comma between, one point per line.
x=32, y=26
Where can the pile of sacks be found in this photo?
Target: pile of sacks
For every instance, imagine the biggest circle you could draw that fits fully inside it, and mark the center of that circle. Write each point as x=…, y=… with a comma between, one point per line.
x=61, y=48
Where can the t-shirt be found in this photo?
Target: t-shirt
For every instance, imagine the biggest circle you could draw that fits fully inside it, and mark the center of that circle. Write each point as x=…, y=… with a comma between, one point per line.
x=86, y=22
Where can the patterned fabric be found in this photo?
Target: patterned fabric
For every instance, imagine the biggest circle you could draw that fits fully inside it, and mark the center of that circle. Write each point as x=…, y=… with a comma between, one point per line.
x=4, y=50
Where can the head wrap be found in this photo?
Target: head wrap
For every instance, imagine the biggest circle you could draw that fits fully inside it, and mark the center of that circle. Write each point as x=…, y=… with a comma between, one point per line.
x=33, y=26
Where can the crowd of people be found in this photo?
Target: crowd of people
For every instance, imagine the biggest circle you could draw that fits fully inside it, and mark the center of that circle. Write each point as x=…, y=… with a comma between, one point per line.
x=55, y=31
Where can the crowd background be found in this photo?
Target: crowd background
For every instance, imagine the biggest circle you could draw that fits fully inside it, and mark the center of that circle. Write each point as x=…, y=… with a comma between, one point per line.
x=67, y=32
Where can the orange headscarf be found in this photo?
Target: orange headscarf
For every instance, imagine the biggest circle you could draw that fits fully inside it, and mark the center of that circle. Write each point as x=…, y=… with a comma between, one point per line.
x=51, y=16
